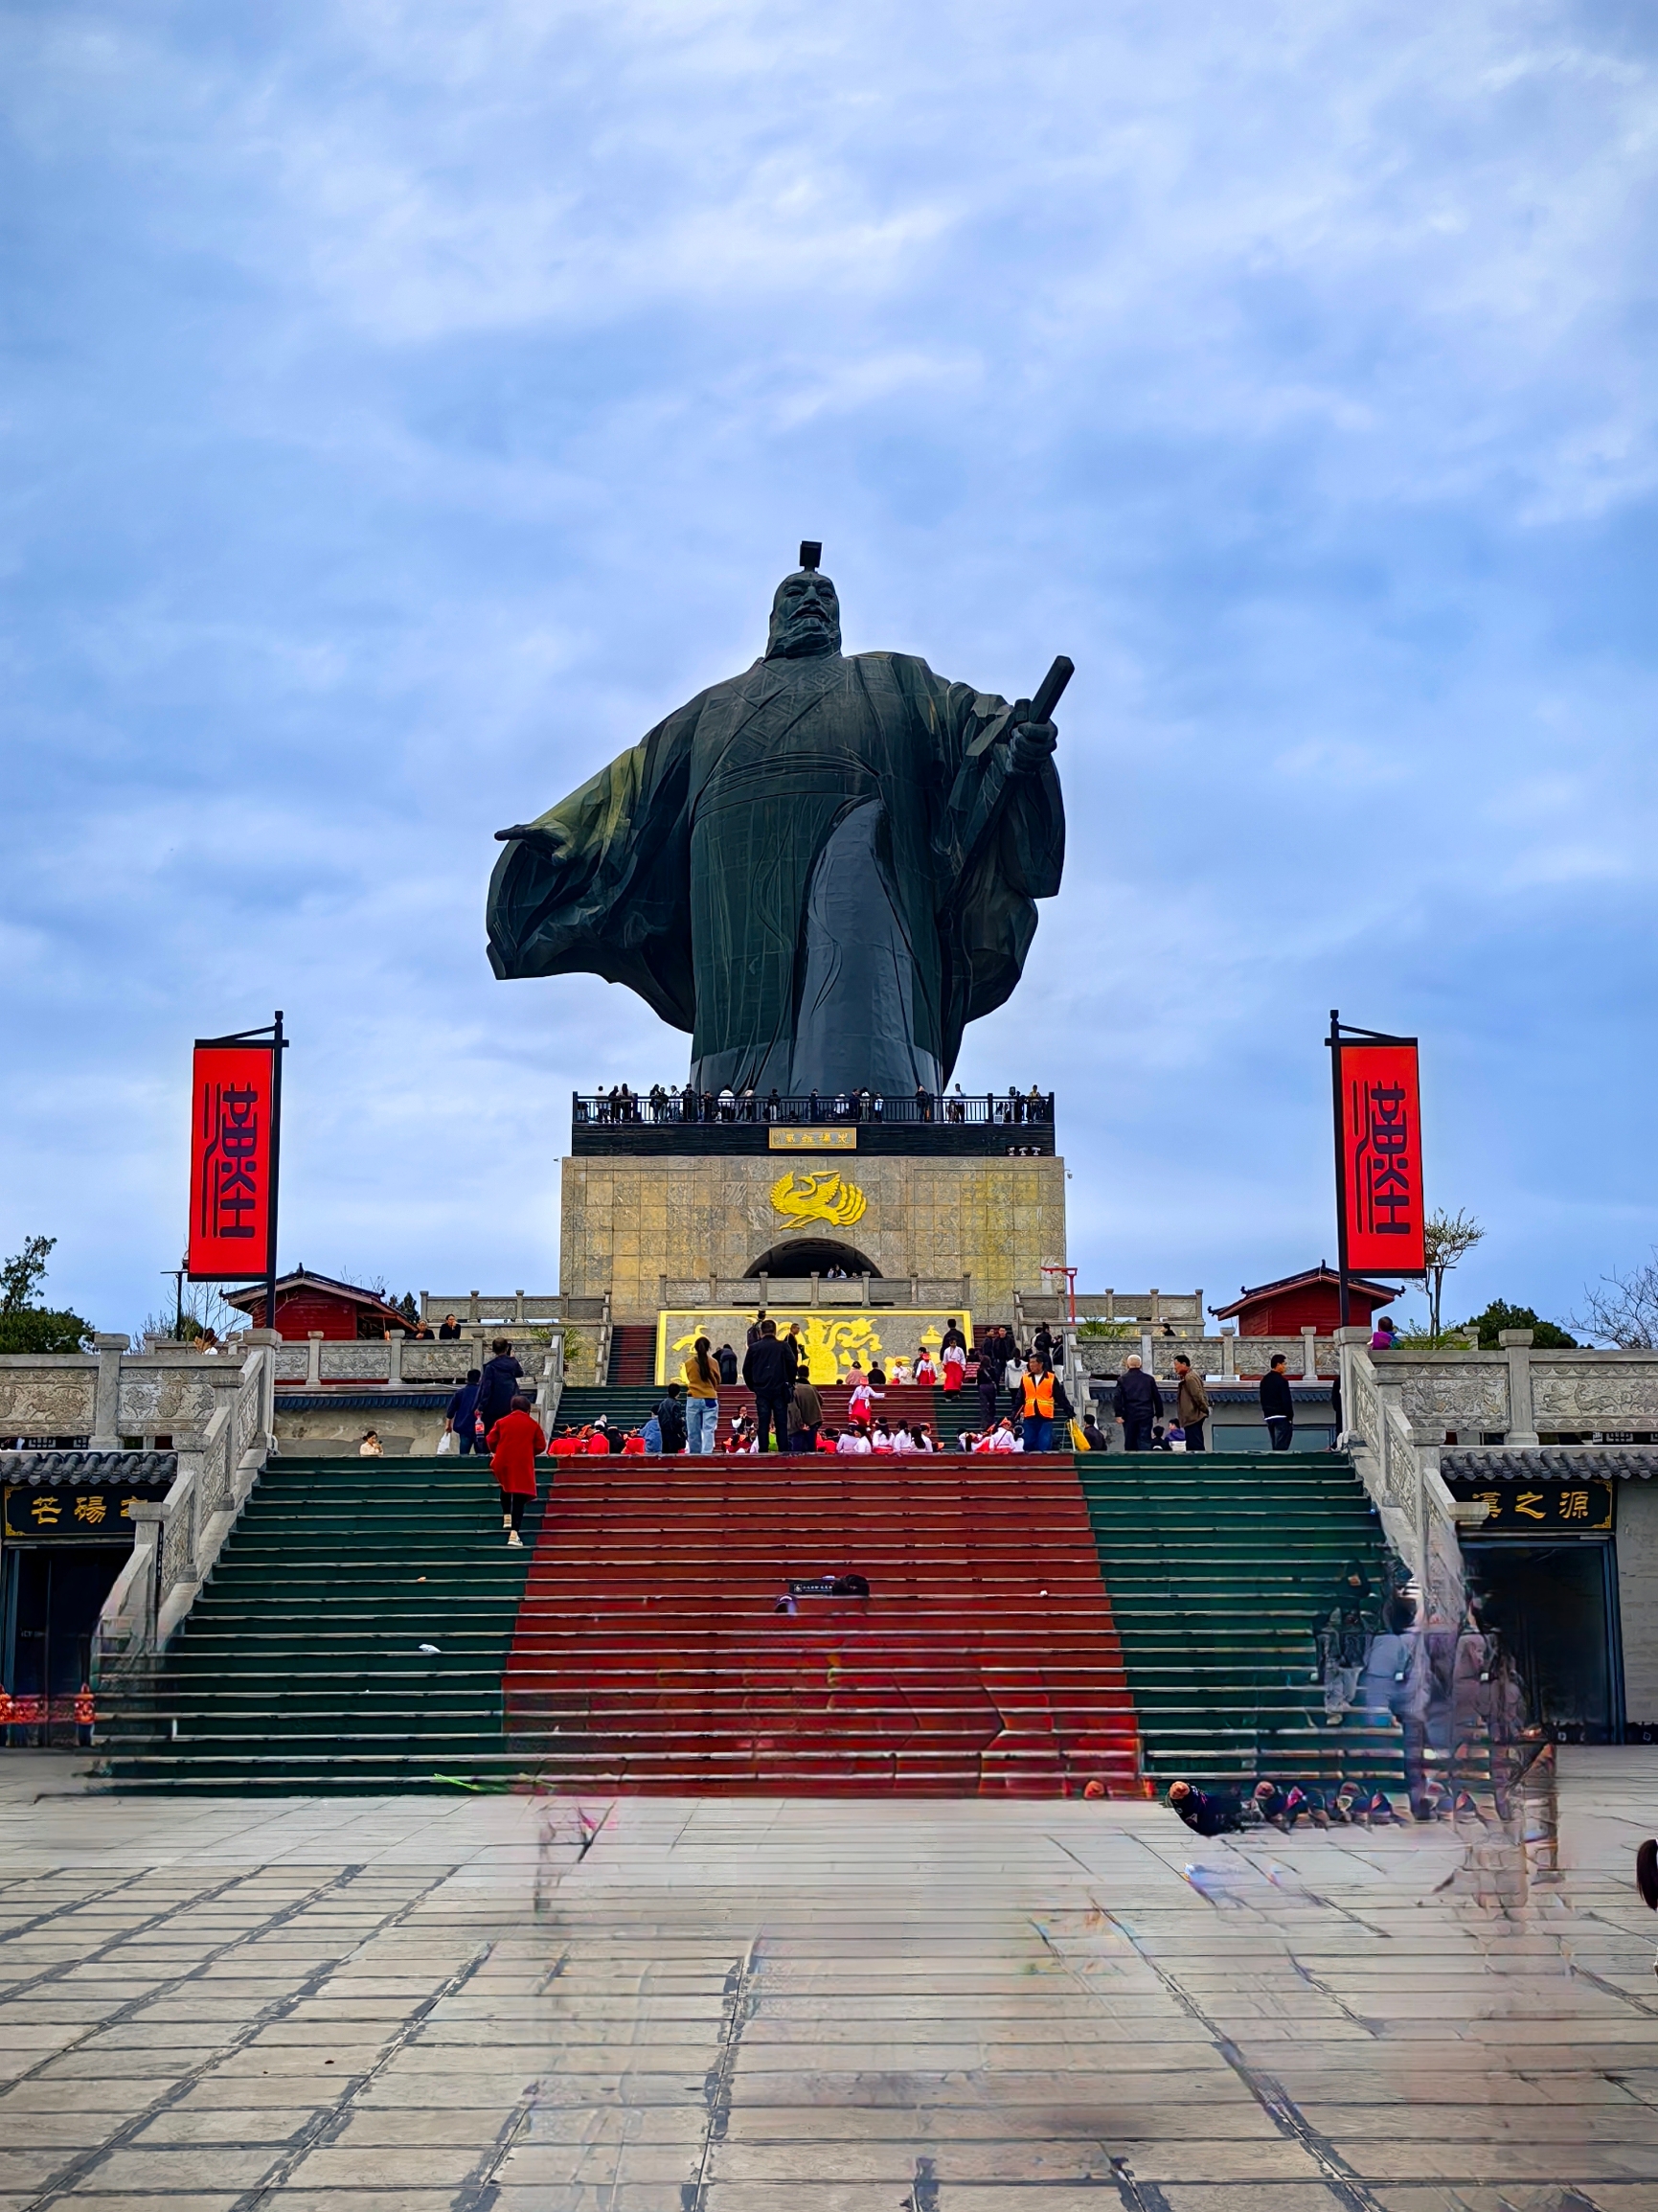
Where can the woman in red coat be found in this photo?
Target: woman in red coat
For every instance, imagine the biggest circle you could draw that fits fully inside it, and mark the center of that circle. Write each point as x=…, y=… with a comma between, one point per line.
x=513, y=1441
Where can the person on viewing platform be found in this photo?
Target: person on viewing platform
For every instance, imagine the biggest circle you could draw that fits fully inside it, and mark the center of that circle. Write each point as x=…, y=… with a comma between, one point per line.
x=804, y=1416
x=514, y=1440
x=926, y=1374
x=1277, y=1404
x=725, y=1360
x=498, y=1383
x=923, y=1102
x=671, y=1420
x=371, y=1448
x=955, y=1365
x=1191, y=1403
x=1384, y=1335
x=854, y=1439
x=449, y=1330
x=1037, y=1405
x=461, y=1415
x=702, y=1398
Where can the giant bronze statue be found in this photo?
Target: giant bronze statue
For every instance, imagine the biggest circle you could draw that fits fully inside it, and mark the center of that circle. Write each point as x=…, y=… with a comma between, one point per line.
x=824, y=868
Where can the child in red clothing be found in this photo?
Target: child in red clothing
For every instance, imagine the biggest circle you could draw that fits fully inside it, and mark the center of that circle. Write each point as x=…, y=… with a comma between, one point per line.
x=513, y=1443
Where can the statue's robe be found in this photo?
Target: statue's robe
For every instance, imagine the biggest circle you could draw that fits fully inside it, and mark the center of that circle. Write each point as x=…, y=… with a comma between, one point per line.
x=823, y=869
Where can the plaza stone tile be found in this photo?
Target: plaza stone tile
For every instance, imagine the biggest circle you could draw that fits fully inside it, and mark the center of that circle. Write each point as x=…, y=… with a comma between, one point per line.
x=1020, y=2003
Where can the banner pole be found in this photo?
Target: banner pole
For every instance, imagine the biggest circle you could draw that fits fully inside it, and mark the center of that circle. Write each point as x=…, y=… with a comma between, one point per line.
x=276, y=1132
x=1340, y=1161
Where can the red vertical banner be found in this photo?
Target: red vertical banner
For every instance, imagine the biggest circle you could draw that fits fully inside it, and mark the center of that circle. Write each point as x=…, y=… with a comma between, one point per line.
x=1380, y=1144
x=232, y=1162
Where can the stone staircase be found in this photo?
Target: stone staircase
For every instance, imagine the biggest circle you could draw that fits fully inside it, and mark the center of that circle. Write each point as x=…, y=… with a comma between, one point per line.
x=648, y=1655
x=1219, y=1564
x=300, y=1667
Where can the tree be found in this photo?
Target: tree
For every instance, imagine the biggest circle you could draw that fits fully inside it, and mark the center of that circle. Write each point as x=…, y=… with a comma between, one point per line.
x=25, y=1327
x=1447, y=1238
x=1546, y=1335
x=22, y=1275
x=1625, y=1307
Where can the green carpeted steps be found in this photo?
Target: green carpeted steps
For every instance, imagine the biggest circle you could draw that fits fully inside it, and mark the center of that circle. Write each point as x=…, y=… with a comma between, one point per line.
x=299, y=1668
x=1217, y=1564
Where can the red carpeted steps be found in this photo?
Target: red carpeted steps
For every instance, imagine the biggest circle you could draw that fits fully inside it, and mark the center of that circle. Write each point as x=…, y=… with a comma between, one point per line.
x=632, y=1353
x=647, y=1655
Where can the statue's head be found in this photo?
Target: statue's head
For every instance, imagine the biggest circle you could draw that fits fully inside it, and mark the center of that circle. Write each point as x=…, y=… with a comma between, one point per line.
x=806, y=615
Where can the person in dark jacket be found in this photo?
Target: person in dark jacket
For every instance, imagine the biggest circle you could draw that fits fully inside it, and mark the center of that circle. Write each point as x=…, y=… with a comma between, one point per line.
x=1277, y=1406
x=461, y=1415
x=725, y=1360
x=1206, y=1811
x=1136, y=1402
x=1095, y=1435
x=498, y=1383
x=670, y=1420
x=766, y=1372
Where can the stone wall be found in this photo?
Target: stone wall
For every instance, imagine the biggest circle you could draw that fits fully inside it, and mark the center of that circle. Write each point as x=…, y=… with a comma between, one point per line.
x=1637, y=1598
x=627, y=1222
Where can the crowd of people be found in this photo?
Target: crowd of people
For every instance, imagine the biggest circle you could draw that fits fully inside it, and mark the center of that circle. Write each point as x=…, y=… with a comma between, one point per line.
x=620, y=1104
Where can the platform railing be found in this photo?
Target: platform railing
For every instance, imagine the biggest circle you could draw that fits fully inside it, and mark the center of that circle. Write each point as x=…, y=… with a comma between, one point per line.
x=983, y=1109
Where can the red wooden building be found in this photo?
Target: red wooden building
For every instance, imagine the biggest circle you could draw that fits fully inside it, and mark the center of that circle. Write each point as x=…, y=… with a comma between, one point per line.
x=307, y=1301
x=1308, y=1301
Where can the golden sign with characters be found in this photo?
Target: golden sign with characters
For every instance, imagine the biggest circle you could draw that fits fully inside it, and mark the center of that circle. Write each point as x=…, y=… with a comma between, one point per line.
x=818, y=1195
x=789, y=1140
x=835, y=1339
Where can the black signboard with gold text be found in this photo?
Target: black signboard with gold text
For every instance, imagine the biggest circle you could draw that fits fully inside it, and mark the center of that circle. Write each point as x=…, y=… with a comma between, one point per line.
x=1534, y=1509
x=95, y=1512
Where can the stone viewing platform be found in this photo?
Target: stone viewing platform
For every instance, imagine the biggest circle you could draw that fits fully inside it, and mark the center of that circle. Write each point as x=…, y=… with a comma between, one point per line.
x=1019, y=1125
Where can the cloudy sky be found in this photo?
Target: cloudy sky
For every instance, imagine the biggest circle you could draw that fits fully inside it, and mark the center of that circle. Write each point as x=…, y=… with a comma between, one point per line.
x=405, y=402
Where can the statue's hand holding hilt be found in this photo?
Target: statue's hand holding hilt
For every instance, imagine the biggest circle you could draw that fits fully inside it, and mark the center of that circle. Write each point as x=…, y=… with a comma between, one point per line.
x=1033, y=736
x=1031, y=743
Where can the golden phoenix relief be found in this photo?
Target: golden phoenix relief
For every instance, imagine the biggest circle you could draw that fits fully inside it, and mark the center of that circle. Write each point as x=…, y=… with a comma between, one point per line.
x=818, y=1195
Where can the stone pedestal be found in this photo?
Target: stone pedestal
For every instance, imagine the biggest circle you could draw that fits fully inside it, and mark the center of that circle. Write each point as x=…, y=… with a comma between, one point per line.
x=674, y=1229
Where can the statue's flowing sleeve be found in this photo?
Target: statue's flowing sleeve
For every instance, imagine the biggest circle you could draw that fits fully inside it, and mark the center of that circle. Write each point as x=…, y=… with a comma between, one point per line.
x=605, y=890
x=999, y=846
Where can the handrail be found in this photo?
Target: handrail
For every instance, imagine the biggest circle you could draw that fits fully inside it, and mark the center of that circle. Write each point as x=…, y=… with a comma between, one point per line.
x=1418, y=1515
x=176, y=1543
x=983, y=1110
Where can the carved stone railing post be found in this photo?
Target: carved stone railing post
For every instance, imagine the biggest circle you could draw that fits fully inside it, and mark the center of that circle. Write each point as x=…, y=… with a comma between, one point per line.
x=1516, y=1343
x=315, y=1359
x=1309, y=1355
x=106, y=1394
x=395, y=1363
x=1229, y=1357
